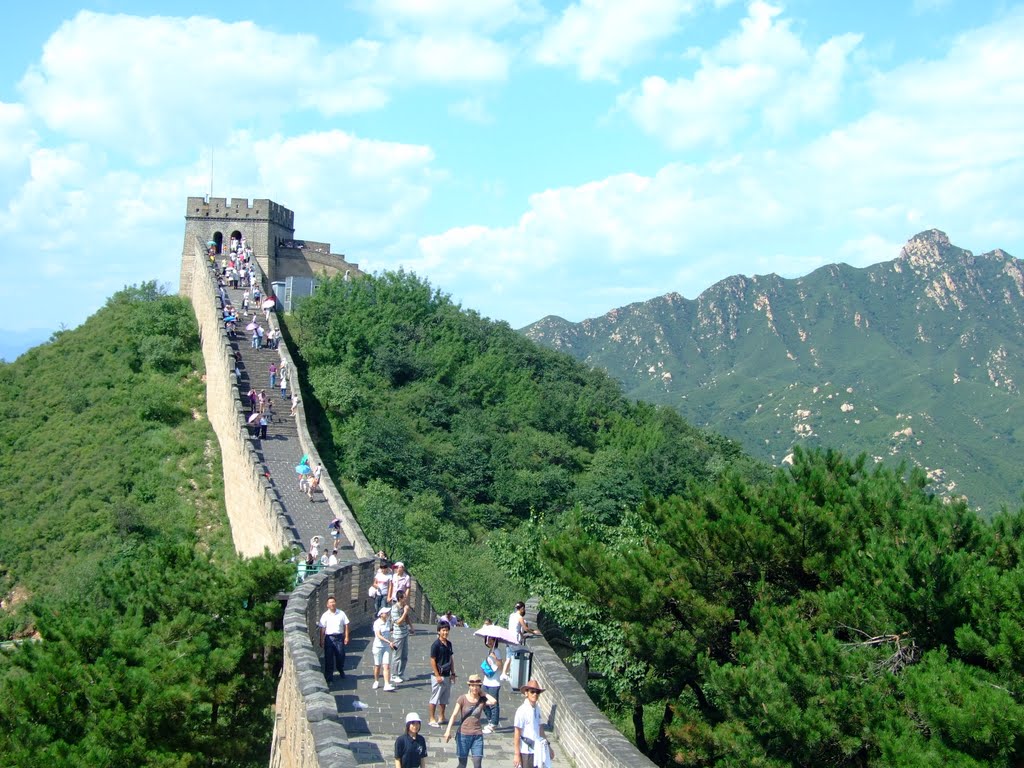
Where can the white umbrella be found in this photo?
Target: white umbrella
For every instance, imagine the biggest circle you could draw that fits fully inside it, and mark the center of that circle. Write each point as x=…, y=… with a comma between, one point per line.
x=269, y=304
x=495, y=631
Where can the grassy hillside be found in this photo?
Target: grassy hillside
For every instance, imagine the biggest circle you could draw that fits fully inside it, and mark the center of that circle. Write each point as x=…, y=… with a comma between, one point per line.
x=116, y=553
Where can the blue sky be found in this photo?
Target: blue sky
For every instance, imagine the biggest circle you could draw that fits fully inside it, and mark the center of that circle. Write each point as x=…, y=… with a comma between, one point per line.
x=528, y=157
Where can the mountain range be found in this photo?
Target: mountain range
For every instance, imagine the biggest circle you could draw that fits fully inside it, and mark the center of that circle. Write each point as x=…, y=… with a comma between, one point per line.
x=916, y=360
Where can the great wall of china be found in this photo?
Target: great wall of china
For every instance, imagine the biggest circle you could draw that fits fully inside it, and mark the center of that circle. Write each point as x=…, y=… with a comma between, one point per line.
x=264, y=511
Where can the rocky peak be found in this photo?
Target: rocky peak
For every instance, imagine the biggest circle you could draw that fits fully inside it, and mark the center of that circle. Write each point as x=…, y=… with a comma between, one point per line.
x=929, y=249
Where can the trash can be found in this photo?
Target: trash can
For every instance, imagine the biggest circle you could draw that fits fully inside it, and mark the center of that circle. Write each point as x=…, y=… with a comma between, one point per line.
x=519, y=669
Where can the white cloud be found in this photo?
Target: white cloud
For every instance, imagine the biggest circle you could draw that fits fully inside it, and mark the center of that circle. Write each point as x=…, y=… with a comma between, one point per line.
x=449, y=59
x=762, y=72
x=148, y=86
x=473, y=110
x=357, y=191
x=488, y=15
x=600, y=37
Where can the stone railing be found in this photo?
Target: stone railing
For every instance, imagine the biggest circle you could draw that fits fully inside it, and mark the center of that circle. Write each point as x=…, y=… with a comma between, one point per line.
x=349, y=526
x=258, y=520
x=308, y=732
x=583, y=732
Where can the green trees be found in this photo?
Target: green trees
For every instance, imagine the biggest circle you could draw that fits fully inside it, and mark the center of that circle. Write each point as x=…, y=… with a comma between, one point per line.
x=116, y=554
x=162, y=659
x=835, y=616
x=433, y=402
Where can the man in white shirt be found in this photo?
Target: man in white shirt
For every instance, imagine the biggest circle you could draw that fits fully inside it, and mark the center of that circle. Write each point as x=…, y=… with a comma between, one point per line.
x=333, y=638
x=528, y=740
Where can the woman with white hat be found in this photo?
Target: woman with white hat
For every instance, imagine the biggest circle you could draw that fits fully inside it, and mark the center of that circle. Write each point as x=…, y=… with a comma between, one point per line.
x=382, y=647
x=410, y=747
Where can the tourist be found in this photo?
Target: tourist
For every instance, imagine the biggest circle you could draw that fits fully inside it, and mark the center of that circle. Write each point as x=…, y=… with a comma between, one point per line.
x=400, y=582
x=517, y=625
x=492, y=680
x=273, y=375
x=469, y=710
x=410, y=747
x=401, y=628
x=528, y=740
x=333, y=638
x=382, y=648
x=381, y=584
x=442, y=664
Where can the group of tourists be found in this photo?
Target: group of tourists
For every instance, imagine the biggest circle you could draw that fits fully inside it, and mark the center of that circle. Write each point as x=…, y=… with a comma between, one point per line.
x=475, y=713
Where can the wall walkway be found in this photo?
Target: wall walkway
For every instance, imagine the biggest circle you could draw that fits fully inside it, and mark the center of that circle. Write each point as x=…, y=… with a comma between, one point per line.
x=319, y=726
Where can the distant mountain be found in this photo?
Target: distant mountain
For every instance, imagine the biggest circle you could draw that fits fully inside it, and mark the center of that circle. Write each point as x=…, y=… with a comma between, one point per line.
x=919, y=359
x=14, y=343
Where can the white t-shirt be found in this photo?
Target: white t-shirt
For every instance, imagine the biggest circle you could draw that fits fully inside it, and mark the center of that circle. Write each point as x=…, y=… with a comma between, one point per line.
x=334, y=623
x=515, y=626
x=528, y=722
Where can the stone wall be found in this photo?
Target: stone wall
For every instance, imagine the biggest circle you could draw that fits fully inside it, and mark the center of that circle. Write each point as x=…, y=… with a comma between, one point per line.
x=307, y=731
x=584, y=735
x=257, y=518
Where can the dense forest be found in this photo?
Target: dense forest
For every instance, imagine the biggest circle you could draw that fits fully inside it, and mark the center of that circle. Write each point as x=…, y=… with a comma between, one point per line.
x=830, y=613
x=451, y=430
x=116, y=556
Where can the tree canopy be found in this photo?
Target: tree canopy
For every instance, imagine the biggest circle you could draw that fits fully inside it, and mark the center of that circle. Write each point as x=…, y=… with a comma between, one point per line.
x=116, y=554
x=837, y=615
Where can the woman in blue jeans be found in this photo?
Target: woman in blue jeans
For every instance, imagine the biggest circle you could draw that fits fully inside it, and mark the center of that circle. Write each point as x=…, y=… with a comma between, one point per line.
x=470, y=708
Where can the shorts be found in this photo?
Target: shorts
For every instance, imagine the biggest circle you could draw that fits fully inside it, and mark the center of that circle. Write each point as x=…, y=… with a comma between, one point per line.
x=381, y=655
x=469, y=746
x=440, y=692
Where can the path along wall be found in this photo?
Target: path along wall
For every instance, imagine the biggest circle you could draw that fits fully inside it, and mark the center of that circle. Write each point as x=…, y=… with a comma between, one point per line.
x=308, y=731
x=257, y=518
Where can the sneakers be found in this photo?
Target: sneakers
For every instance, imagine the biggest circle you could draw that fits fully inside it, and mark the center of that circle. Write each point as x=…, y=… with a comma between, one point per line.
x=396, y=679
x=434, y=724
x=390, y=687
x=376, y=684
x=488, y=728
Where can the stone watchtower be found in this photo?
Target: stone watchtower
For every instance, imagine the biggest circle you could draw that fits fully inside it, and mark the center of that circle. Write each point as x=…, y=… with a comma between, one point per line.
x=267, y=227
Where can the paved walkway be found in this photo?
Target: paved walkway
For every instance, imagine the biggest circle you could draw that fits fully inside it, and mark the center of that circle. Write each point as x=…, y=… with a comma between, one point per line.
x=372, y=731
x=280, y=452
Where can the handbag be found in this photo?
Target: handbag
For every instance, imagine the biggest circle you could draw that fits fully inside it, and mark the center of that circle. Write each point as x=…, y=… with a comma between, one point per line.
x=485, y=665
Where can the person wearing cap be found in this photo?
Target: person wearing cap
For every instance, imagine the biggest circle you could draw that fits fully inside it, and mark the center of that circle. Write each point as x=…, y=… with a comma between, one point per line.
x=470, y=708
x=400, y=582
x=410, y=747
x=528, y=742
x=442, y=664
x=383, y=645
x=333, y=638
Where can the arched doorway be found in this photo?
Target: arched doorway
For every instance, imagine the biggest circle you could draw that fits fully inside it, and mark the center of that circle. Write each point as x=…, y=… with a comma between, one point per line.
x=237, y=241
x=218, y=241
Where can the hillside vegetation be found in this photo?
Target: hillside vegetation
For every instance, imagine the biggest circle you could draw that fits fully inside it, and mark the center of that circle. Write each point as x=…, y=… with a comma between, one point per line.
x=831, y=613
x=451, y=430
x=116, y=553
x=917, y=360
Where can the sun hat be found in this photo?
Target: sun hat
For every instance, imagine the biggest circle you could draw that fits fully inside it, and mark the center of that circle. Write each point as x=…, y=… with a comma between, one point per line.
x=412, y=717
x=475, y=679
x=399, y=563
x=532, y=685
x=383, y=610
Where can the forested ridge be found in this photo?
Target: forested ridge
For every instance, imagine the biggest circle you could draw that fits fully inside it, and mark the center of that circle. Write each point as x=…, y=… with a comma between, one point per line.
x=116, y=553
x=832, y=613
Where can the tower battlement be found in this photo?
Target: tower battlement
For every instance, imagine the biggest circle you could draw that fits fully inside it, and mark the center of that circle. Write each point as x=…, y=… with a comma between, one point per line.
x=234, y=209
